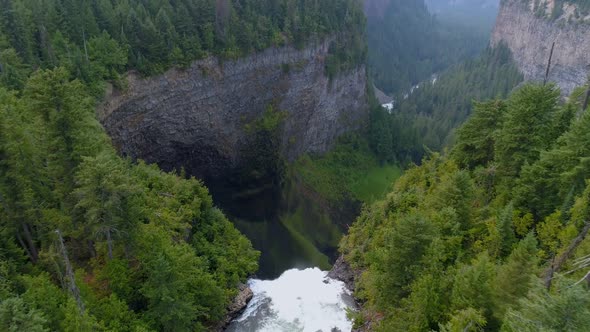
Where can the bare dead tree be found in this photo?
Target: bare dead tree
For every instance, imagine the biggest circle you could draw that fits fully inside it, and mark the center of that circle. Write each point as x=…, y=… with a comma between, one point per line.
x=85, y=48
x=558, y=263
x=222, y=13
x=549, y=64
x=71, y=279
x=587, y=99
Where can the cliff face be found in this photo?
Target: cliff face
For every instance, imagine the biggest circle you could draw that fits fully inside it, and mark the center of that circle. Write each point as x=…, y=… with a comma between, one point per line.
x=529, y=33
x=197, y=118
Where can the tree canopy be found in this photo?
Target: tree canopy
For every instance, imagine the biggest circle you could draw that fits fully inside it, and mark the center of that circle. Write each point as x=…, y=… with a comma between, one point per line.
x=461, y=242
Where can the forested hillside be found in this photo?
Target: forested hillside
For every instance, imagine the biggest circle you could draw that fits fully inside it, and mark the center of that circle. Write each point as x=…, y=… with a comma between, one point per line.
x=95, y=242
x=407, y=45
x=492, y=235
x=96, y=40
x=426, y=119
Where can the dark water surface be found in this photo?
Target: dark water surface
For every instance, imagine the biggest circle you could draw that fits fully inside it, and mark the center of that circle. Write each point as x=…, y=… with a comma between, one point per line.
x=291, y=231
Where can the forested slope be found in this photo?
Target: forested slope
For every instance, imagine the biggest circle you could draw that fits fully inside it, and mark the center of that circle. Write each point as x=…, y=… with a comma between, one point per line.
x=95, y=242
x=426, y=119
x=407, y=44
x=95, y=40
x=491, y=236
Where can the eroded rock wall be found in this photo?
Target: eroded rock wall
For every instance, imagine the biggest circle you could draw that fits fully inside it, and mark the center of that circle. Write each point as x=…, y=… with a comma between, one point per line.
x=196, y=118
x=529, y=32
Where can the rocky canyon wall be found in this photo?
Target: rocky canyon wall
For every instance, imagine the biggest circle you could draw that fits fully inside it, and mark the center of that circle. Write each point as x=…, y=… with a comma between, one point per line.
x=197, y=118
x=529, y=28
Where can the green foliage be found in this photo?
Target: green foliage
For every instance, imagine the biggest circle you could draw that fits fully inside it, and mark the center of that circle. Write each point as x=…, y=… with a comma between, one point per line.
x=565, y=310
x=15, y=316
x=105, y=199
x=46, y=297
x=466, y=320
x=349, y=169
x=153, y=252
x=97, y=40
x=401, y=252
x=527, y=128
x=455, y=247
x=14, y=73
x=505, y=228
x=472, y=286
x=476, y=138
x=560, y=172
x=177, y=284
x=514, y=277
x=427, y=118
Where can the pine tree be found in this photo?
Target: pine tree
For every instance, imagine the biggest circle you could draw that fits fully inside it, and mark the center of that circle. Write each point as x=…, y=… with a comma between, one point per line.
x=505, y=228
x=16, y=316
x=566, y=310
x=104, y=196
x=400, y=259
x=466, y=320
x=524, y=134
x=472, y=287
x=13, y=72
x=559, y=171
x=64, y=110
x=477, y=137
x=515, y=276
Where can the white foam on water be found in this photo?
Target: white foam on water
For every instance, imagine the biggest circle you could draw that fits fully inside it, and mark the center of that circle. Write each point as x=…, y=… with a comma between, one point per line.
x=298, y=301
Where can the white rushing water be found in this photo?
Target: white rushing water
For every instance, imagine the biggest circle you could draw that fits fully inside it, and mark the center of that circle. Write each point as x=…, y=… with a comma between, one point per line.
x=298, y=301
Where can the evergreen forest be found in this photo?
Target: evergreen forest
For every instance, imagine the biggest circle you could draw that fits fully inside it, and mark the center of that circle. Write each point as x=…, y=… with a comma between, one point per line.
x=95, y=242
x=491, y=235
x=427, y=118
x=485, y=230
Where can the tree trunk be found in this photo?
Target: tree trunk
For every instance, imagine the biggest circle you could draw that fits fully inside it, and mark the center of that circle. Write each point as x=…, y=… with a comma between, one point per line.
x=32, y=249
x=69, y=272
x=549, y=64
x=222, y=12
x=110, y=244
x=91, y=248
x=24, y=245
x=85, y=49
x=587, y=99
x=558, y=263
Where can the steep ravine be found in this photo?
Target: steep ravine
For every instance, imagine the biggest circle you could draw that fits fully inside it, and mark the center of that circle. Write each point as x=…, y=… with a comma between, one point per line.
x=529, y=35
x=203, y=119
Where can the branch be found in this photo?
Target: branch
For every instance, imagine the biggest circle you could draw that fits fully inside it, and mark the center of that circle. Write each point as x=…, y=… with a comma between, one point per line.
x=580, y=281
x=558, y=263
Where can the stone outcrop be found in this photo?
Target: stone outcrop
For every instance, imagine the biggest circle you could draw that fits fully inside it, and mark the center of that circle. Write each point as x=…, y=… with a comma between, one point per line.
x=236, y=307
x=342, y=271
x=197, y=118
x=529, y=33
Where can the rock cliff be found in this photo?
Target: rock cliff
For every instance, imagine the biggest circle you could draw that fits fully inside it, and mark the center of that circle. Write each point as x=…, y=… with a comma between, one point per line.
x=529, y=32
x=197, y=118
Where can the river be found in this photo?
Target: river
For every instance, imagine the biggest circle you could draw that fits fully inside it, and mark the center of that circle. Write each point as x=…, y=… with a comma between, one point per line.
x=297, y=301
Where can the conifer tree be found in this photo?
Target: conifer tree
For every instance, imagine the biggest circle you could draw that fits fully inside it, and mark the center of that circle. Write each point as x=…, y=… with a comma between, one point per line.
x=477, y=137
x=524, y=134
